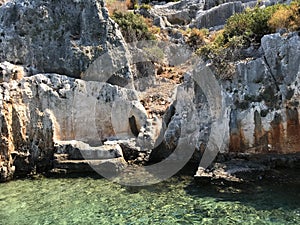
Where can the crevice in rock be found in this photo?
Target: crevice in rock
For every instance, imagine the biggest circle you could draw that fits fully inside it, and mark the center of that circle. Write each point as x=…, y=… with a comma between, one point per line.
x=133, y=126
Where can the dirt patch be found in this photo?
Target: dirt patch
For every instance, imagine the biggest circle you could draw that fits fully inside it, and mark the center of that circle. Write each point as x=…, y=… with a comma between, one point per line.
x=158, y=98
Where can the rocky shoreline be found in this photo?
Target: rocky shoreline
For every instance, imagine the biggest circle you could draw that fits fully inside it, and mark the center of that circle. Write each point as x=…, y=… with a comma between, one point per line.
x=229, y=169
x=71, y=96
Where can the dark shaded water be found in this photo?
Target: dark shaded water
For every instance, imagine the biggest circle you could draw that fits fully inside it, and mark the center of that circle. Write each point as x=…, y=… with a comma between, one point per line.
x=176, y=201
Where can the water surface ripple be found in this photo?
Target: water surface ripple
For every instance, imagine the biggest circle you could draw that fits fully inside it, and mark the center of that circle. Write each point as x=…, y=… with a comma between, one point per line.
x=178, y=200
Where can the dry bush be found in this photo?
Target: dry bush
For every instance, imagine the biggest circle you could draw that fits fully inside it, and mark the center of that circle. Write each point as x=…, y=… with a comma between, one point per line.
x=286, y=17
x=214, y=35
x=131, y=3
x=116, y=6
x=197, y=37
x=153, y=29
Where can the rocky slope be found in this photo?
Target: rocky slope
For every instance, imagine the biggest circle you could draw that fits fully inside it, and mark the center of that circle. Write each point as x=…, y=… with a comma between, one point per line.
x=261, y=100
x=260, y=113
x=199, y=13
x=53, y=121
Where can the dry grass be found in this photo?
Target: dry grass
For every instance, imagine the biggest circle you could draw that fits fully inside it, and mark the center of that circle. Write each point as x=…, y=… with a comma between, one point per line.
x=287, y=17
x=197, y=37
x=153, y=29
x=117, y=6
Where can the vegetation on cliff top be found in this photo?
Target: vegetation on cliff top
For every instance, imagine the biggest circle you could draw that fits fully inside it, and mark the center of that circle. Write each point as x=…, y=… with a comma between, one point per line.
x=242, y=30
x=246, y=29
x=134, y=27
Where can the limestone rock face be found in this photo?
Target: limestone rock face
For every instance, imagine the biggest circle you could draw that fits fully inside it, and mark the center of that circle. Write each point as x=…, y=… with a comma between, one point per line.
x=211, y=14
x=10, y=72
x=52, y=122
x=62, y=37
x=195, y=13
x=39, y=111
x=209, y=19
x=265, y=112
x=176, y=13
x=260, y=104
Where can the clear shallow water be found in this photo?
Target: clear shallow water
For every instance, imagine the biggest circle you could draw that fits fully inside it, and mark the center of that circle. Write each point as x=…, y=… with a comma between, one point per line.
x=177, y=201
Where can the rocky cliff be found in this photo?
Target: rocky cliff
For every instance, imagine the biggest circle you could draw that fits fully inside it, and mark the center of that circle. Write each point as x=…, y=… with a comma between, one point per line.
x=40, y=111
x=260, y=102
x=37, y=110
x=60, y=37
x=51, y=120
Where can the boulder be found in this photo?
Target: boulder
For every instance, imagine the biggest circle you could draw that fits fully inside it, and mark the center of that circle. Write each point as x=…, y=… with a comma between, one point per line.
x=79, y=157
x=78, y=150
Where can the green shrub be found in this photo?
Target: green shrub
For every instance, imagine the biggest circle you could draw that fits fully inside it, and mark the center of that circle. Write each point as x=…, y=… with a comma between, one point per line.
x=133, y=26
x=251, y=25
x=221, y=55
x=247, y=28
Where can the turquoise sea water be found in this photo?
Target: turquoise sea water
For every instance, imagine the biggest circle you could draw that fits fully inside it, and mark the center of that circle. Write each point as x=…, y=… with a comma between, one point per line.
x=176, y=201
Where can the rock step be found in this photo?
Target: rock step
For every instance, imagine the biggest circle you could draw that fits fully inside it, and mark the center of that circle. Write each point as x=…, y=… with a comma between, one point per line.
x=107, y=166
x=84, y=156
x=77, y=150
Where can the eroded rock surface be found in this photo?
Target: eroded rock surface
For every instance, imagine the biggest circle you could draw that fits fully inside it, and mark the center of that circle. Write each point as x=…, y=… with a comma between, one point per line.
x=62, y=37
x=210, y=14
x=79, y=157
x=208, y=18
x=260, y=103
x=39, y=110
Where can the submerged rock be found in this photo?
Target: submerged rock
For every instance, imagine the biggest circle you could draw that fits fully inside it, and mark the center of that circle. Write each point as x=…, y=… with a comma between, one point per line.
x=241, y=167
